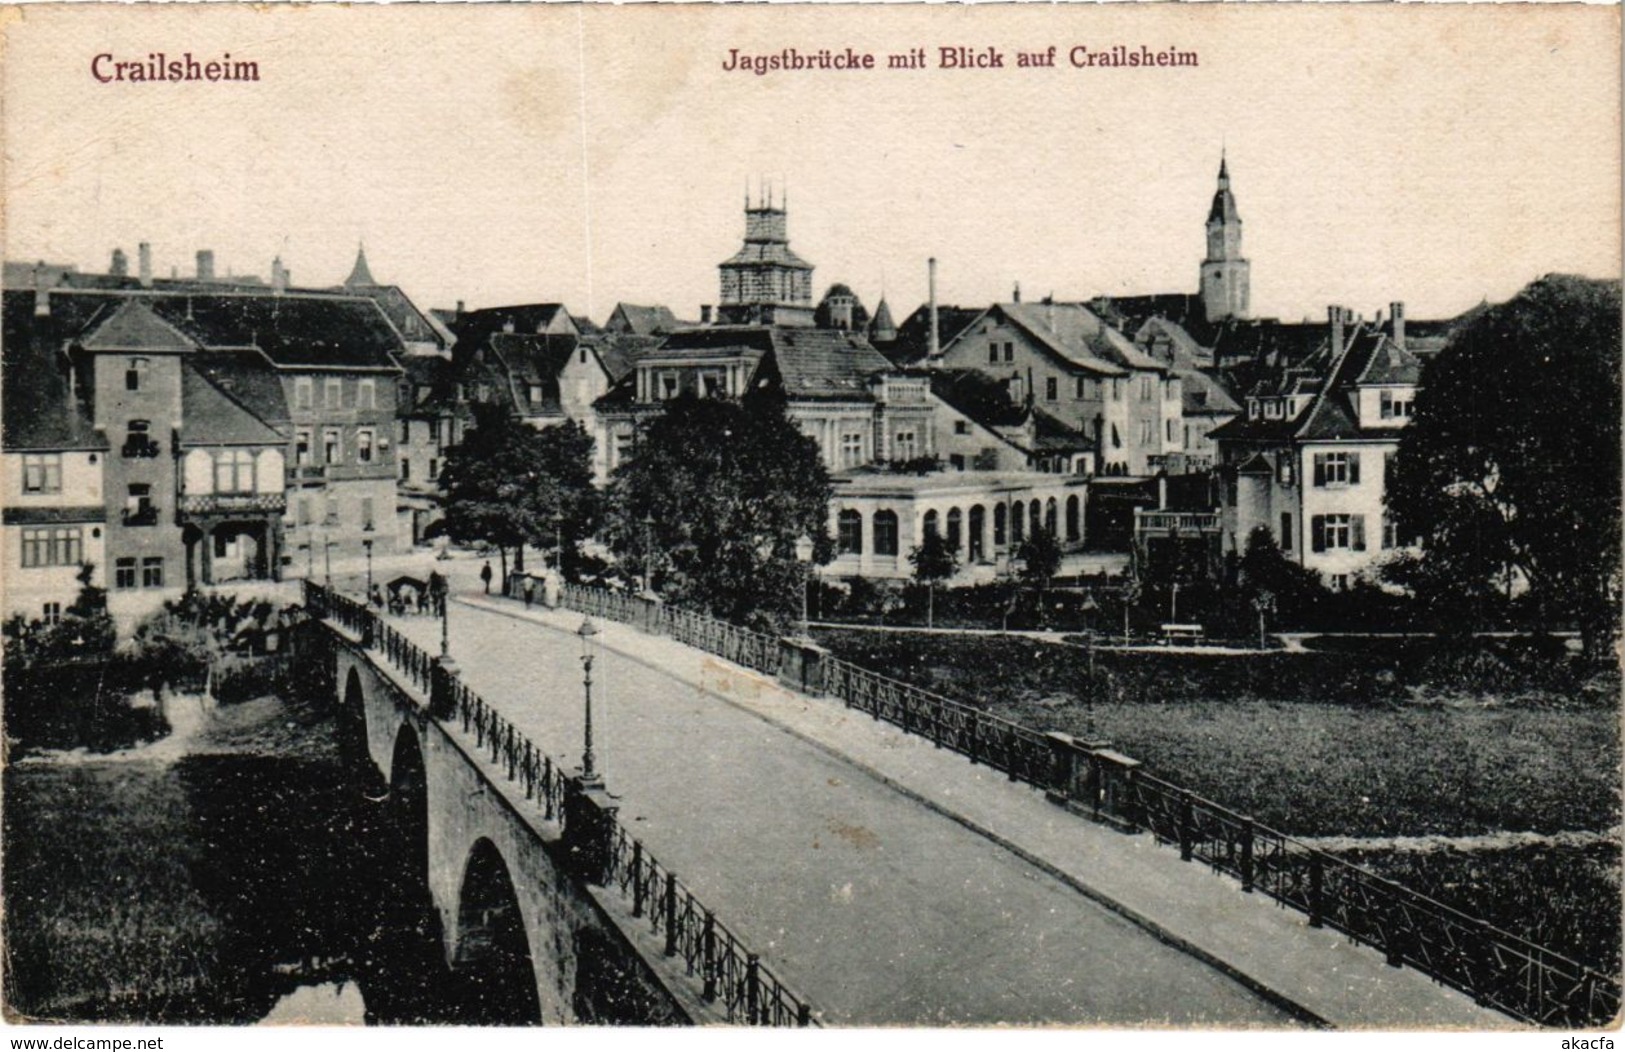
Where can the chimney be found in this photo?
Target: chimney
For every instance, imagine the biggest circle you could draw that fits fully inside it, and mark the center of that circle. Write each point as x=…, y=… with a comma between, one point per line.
x=1015, y=293
x=279, y=276
x=120, y=267
x=931, y=271
x=205, y=264
x=144, y=254
x=42, y=302
x=1335, y=317
x=705, y=314
x=1397, y=311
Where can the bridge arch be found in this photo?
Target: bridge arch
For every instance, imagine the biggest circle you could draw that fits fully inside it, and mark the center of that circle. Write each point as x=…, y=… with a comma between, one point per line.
x=408, y=807
x=352, y=735
x=493, y=960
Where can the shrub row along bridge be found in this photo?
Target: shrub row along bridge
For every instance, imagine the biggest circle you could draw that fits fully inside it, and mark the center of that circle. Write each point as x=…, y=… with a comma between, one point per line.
x=880, y=880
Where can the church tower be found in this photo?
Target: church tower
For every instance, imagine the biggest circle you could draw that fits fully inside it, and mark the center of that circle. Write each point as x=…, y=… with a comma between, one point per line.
x=765, y=283
x=1225, y=274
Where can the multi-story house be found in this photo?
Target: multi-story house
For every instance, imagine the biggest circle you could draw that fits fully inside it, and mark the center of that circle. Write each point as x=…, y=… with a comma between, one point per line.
x=1082, y=371
x=54, y=458
x=1309, y=460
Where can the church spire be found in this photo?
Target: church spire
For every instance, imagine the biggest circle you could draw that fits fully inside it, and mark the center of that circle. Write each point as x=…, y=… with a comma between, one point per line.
x=359, y=274
x=1225, y=274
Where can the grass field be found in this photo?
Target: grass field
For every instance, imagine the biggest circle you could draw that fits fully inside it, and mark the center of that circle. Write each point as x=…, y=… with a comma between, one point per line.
x=1307, y=743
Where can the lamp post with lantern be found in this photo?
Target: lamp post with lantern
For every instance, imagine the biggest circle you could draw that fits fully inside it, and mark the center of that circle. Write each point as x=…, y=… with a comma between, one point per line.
x=804, y=557
x=589, y=771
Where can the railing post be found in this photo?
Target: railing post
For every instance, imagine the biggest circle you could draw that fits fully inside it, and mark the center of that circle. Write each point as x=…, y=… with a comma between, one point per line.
x=443, y=689
x=1247, y=854
x=637, y=878
x=1186, y=822
x=589, y=830
x=708, y=949
x=369, y=629
x=1317, y=889
x=671, y=915
x=803, y=1014
x=753, y=972
x=547, y=786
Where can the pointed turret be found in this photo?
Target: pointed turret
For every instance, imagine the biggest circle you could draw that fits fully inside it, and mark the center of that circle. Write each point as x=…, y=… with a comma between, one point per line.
x=359, y=274
x=883, y=328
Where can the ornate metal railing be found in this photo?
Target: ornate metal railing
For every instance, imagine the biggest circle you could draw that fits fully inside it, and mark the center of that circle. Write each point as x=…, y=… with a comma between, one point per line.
x=1495, y=967
x=728, y=973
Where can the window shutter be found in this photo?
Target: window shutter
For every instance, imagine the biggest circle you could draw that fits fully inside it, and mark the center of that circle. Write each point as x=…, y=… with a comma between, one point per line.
x=1357, y=531
x=1317, y=528
x=1320, y=471
x=1354, y=469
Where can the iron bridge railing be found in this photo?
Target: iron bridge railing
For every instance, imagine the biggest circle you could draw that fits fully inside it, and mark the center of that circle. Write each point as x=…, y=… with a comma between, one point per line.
x=1497, y=968
x=729, y=974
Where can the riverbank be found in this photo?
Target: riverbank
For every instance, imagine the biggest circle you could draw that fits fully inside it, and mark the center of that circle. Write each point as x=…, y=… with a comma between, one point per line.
x=193, y=880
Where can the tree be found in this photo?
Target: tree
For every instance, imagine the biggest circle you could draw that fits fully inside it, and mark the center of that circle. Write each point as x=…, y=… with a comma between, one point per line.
x=1509, y=472
x=84, y=630
x=715, y=499
x=933, y=561
x=506, y=480
x=1270, y=583
x=1040, y=555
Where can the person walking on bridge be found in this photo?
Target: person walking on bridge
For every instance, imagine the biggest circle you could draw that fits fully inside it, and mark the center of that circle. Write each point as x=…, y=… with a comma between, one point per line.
x=437, y=593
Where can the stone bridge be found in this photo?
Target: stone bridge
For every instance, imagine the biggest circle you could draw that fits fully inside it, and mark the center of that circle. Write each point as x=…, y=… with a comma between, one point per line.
x=884, y=880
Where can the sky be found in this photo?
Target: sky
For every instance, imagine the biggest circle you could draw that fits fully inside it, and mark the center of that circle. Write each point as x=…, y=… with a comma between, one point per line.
x=1435, y=154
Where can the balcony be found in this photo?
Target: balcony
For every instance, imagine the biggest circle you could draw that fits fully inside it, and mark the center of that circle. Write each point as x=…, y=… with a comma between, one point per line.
x=140, y=449
x=143, y=516
x=233, y=504
x=1188, y=522
x=306, y=472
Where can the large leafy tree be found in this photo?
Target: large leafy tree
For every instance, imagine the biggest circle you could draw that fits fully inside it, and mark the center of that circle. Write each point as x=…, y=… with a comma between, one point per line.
x=506, y=481
x=713, y=504
x=1510, y=469
x=934, y=561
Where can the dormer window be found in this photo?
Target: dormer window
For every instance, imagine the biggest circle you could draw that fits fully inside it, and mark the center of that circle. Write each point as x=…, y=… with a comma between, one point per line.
x=535, y=394
x=669, y=386
x=1396, y=405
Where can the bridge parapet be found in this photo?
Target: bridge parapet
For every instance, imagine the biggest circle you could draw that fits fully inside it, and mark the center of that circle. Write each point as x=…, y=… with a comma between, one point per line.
x=1499, y=969
x=731, y=980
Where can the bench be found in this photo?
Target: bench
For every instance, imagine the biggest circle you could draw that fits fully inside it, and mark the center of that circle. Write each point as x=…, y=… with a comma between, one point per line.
x=1181, y=634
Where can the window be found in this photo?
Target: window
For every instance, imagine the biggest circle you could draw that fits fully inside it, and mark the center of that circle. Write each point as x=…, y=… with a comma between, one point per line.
x=956, y=521
x=1272, y=409
x=52, y=614
x=1117, y=389
x=332, y=446
x=849, y=532
x=1390, y=532
x=583, y=358
x=331, y=516
x=363, y=445
x=1074, y=518
x=366, y=513
x=535, y=394
x=304, y=511
x=152, y=571
x=1338, y=532
x=1170, y=429
x=1148, y=432
x=406, y=470
x=42, y=472
x=961, y=427
x=124, y=573
x=1286, y=531
x=301, y=446
x=1148, y=388
x=1337, y=469
x=434, y=469
x=1283, y=470
x=1117, y=439
x=992, y=353
x=930, y=523
x=851, y=450
x=53, y=546
x=138, y=441
x=1051, y=389
x=366, y=394
x=1009, y=351
x=234, y=471
x=907, y=447
x=135, y=374
x=303, y=392
x=885, y=526
x=713, y=384
x=138, y=506
x=333, y=394
x=998, y=525
x=406, y=431
x=669, y=386
x=1396, y=405
x=1087, y=387
x=482, y=392
x=1339, y=582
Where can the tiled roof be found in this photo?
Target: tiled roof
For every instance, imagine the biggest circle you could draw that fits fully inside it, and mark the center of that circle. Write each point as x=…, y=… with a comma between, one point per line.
x=1052, y=435
x=774, y=252
x=822, y=363
x=134, y=326
x=618, y=351
x=979, y=396
x=293, y=330
x=1202, y=395
x=413, y=324
x=36, y=411
x=475, y=325
x=1079, y=337
x=913, y=341
x=639, y=320
x=223, y=398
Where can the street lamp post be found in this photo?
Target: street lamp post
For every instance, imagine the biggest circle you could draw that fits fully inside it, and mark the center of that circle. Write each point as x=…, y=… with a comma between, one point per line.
x=327, y=559
x=1089, y=608
x=444, y=599
x=366, y=542
x=588, y=631
x=1173, y=604
x=558, y=541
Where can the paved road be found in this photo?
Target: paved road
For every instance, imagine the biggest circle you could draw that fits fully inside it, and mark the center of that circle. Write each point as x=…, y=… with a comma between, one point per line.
x=877, y=909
